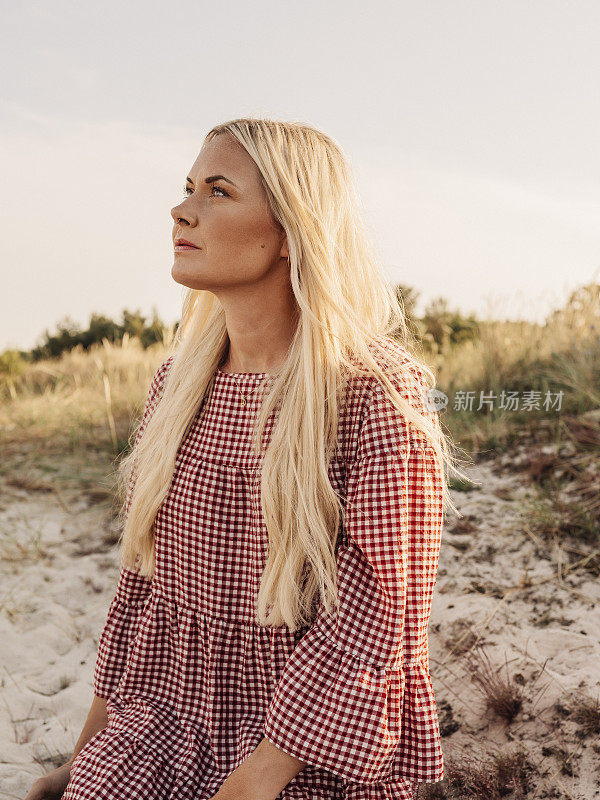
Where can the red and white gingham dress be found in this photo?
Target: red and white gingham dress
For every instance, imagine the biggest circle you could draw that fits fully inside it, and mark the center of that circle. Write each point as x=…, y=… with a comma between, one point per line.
x=193, y=683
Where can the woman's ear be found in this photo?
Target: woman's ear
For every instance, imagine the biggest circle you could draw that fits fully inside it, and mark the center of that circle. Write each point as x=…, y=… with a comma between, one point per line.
x=284, y=252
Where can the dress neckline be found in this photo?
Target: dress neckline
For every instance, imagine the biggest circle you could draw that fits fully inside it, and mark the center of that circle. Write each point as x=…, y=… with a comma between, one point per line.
x=241, y=374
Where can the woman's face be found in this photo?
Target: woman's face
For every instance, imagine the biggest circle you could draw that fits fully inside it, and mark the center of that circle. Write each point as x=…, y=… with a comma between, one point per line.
x=228, y=220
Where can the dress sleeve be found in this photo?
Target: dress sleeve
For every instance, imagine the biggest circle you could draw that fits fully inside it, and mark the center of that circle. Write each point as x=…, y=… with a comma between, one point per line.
x=339, y=701
x=132, y=588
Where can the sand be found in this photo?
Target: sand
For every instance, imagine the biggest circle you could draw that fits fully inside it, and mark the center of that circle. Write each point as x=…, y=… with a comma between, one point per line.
x=60, y=568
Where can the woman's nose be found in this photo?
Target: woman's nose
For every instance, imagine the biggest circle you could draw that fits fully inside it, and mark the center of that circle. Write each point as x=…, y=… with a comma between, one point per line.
x=176, y=213
x=183, y=212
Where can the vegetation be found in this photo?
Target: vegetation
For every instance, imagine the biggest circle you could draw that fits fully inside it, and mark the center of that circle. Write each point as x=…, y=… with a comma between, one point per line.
x=80, y=386
x=101, y=328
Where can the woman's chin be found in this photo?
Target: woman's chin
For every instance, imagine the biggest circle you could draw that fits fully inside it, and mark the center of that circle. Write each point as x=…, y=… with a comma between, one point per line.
x=185, y=278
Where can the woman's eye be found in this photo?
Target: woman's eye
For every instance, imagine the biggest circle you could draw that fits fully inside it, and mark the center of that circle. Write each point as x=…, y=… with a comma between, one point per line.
x=188, y=190
x=218, y=188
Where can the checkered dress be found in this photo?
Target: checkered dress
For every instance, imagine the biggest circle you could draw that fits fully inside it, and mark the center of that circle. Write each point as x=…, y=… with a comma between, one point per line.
x=193, y=683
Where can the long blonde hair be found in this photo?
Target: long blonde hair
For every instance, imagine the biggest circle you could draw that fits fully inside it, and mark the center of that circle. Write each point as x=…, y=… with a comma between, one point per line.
x=346, y=306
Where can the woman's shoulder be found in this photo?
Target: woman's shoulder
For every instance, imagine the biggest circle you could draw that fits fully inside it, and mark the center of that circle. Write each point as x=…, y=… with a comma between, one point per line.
x=403, y=370
x=158, y=380
x=157, y=384
x=374, y=424
x=163, y=369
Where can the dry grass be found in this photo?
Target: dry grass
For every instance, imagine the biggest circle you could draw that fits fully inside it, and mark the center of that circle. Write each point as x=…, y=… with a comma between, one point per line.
x=563, y=354
x=584, y=710
x=65, y=423
x=560, y=522
x=488, y=777
x=82, y=401
x=586, y=713
x=86, y=399
x=502, y=694
x=462, y=638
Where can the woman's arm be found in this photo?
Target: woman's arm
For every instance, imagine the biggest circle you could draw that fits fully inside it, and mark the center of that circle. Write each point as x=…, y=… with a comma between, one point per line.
x=54, y=783
x=97, y=720
x=262, y=776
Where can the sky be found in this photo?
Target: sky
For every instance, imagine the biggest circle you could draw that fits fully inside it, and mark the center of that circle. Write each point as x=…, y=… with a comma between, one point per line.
x=471, y=127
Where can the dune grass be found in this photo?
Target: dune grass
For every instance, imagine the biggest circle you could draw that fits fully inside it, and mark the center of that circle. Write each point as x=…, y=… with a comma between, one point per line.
x=65, y=421
x=63, y=417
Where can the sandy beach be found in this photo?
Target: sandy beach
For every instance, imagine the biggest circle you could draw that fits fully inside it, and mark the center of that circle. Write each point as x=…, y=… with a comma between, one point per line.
x=498, y=593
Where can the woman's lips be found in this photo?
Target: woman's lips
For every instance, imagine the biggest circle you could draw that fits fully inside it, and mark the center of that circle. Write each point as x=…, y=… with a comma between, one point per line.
x=179, y=247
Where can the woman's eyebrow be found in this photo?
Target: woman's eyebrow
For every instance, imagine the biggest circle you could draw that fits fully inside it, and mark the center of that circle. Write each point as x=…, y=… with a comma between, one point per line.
x=212, y=178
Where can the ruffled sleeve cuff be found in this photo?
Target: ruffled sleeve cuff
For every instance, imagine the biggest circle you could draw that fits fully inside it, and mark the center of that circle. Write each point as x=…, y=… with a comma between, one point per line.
x=119, y=630
x=336, y=711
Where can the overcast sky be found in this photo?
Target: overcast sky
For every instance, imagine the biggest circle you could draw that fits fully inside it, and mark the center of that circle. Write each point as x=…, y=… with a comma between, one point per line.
x=472, y=128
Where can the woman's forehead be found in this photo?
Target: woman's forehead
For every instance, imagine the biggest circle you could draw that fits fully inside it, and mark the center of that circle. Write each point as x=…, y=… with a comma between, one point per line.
x=225, y=157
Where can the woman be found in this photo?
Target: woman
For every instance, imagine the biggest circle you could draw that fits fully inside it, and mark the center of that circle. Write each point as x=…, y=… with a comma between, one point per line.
x=283, y=513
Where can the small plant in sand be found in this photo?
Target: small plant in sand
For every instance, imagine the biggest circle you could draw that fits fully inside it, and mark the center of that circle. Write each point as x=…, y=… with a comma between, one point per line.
x=472, y=776
x=584, y=710
x=502, y=694
x=586, y=713
x=462, y=637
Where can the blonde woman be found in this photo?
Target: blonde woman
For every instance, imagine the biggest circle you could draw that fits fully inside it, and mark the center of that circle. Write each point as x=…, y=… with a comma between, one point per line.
x=283, y=513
